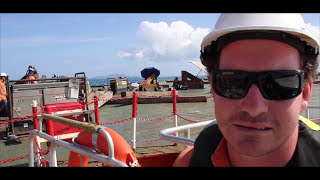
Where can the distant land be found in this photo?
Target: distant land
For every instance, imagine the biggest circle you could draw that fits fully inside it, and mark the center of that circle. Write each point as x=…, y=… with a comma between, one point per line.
x=102, y=80
x=137, y=77
x=113, y=76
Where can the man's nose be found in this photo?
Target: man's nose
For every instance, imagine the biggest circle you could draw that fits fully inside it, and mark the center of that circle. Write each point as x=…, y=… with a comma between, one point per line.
x=254, y=103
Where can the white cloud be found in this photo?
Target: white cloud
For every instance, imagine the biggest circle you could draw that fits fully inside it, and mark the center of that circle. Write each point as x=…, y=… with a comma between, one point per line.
x=163, y=42
x=159, y=41
x=131, y=54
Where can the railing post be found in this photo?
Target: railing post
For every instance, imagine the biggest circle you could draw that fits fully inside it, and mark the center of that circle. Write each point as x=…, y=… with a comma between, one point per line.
x=35, y=115
x=174, y=105
x=49, y=124
x=83, y=109
x=96, y=110
x=30, y=150
x=53, y=156
x=187, y=135
x=36, y=126
x=134, y=118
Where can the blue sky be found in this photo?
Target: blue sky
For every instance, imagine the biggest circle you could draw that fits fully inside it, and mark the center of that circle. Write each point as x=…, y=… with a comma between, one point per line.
x=105, y=43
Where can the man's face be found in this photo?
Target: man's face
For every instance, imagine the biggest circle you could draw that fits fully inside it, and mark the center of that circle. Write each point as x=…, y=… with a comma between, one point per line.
x=255, y=126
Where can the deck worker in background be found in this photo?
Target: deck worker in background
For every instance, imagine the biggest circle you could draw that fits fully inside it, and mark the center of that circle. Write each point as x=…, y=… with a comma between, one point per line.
x=176, y=83
x=261, y=69
x=31, y=74
x=3, y=95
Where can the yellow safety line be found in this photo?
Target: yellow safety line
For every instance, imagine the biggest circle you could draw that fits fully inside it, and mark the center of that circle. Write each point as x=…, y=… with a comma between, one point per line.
x=309, y=123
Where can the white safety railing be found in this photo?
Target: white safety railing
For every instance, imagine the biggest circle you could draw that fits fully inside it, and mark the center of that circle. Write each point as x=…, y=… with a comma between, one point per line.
x=309, y=107
x=108, y=160
x=166, y=134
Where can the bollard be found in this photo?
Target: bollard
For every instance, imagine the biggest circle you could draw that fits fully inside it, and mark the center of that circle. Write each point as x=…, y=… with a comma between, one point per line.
x=134, y=118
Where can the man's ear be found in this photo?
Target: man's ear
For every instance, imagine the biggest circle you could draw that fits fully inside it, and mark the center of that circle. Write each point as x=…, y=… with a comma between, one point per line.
x=306, y=93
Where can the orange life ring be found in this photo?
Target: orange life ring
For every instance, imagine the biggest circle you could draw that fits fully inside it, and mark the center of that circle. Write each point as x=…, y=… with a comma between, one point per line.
x=122, y=150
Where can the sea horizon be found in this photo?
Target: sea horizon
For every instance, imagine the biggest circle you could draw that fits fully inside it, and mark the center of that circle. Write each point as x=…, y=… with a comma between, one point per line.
x=134, y=79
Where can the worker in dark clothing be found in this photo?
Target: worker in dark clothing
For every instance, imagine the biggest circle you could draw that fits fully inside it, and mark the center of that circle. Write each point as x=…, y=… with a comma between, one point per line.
x=32, y=74
x=176, y=83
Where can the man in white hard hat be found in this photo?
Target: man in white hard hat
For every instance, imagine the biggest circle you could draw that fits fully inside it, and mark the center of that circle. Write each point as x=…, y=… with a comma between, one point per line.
x=261, y=69
x=3, y=94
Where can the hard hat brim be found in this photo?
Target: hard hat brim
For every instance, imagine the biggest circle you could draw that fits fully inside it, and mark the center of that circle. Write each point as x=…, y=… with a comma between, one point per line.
x=304, y=36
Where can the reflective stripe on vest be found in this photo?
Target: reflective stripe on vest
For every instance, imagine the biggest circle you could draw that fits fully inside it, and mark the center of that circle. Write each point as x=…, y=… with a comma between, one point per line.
x=3, y=91
x=309, y=123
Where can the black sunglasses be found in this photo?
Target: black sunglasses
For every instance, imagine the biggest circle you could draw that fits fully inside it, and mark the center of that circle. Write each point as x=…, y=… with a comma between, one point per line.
x=273, y=85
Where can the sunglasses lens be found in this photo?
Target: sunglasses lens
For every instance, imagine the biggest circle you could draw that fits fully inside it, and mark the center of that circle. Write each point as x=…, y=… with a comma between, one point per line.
x=230, y=84
x=273, y=85
x=280, y=85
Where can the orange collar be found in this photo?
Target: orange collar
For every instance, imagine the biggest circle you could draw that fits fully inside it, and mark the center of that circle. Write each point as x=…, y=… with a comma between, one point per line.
x=220, y=157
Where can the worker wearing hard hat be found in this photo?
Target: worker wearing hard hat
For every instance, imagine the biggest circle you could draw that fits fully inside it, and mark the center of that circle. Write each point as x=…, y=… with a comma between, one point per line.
x=32, y=74
x=3, y=94
x=261, y=69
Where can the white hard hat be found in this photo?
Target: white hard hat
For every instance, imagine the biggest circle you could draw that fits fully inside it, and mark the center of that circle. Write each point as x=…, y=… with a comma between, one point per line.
x=291, y=23
x=3, y=74
x=31, y=68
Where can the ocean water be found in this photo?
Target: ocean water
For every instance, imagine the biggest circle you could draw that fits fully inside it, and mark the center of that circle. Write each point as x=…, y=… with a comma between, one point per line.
x=104, y=81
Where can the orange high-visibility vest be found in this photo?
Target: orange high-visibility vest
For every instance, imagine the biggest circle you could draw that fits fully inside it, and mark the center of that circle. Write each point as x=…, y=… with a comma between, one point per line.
x=32, y=82
x=3, y=91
